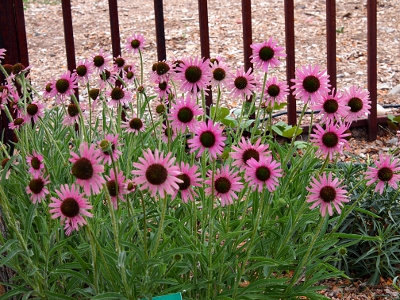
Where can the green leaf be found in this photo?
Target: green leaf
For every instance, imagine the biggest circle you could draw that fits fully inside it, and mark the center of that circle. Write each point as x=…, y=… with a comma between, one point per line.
x=279, y=106
x=246, y=124
x=82, y=277
x=58, y=296
x=109, y=295
x=7, y=245
x=13, y=292
x=221, y=113
x=288, y=133
x=229, y=121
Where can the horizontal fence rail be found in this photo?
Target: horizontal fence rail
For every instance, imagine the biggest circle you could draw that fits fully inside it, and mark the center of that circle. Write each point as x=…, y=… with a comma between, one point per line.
x=13, y=38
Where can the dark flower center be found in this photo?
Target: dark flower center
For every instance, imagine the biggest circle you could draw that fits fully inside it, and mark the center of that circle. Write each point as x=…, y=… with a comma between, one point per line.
x=4, y=162
x=222, y=185
x=106, y=147
x=8, y=68
x=62, y=85
x=32, y=109
x=311, y=84
x=266, y=53
x=240, y=82
x=219, y=74
x=69, y=207
x=94, y=93
x=185, y=184
x=385, y=174
x=331, y=106
x=162, y=68
x=83, y=169
x=112, y=188
x=273, y=90
x=48, y=88
x=135, y=44
x=117, y=93
x=126, y=67
x=81, y=70
x=263, y=173
x=355, y=104
x=207, y=139
x=36, y=185
x=327, y=194
x=105, y=75
x=72, y=110
x=154, y=67
x=162, y=86
x=160, y=108
x=193, y=74
x=177, y=64
x=136, y=124
x=129, y=75
x=98, y=61
x=119, y=61
x=18, y=121
x=35, y=163
x=18, y=67
x=250, y=153
x=168, y=132
x=130, y=186
x=156, y=174
x=330, y=139
x=185, y=115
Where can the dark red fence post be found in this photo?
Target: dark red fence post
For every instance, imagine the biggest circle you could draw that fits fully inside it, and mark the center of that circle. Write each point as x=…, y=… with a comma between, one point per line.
x=331, y=41
x=114, y=28
x=247, y=33
x=160, y=33
x=68, y=34
x=372, y=68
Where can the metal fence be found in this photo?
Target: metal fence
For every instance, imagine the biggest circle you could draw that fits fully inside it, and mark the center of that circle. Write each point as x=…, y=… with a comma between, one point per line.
x=13, y=38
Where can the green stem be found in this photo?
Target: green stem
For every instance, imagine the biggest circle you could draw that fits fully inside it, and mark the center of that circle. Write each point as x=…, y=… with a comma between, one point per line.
x=161, y=224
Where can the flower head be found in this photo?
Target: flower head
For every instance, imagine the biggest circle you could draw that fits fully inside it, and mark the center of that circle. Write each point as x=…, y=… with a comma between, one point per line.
x=2, y=53
x=194, y=74
x=162, y=71
x=183, y=113
x=70, y=206
x=101, y=60
x=265, y=55
x=87, y=168
x=168, y=134
x=243, y=84
x=223, y=183
x=129, y=74
x=157, y=173
x=16, y=124
x=264, y=172
x=72, y=115
x=164, y=89
x=135, y=43
x=325, y=191
x=386, y=171
x=208, y=136
x=83, y=70
x=109, y=148
x=310, y=84
x=221, y=74
x=64, y=86
x=358, y=101
x=246, y=150
x=37, y=188
x=190, y=178
x=118, y=96
x=116, y=187
x=330, y=140
x=275, y=92
x=135, y=125
x=119, y=63
x=34, y=110
x=332, y=108
x=35, y=163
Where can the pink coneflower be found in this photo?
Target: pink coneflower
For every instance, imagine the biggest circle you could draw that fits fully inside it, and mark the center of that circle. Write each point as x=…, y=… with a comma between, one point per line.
x=118, y=96
x=208, y=136
x=130, y=186
x=87, y=168
x=37, y=190
x=116, y=187
x=119, y=63
x=129, y=74
x=107, y=77
x=135, y=43
x=157, y=173
x=101, y=61
x=358, y=101
x=16, y=124
x=265, y=55
x=3, y=98
x=72, y=115
x=64, y=86
x=34, y=110
x=35, y=163
x=183, y=114
x=246, y=150
x=168, y=134
x=275, y=91
x=194, y=74
x=310, y=84
x=243, y=84
x=225, y=184
x=386, y=171
x=332, y=108
x=162, y=71
x=221, y=74
x=163, y=89
x=2, y=53
x=264, y=172
x=109, y=148
x=47, y=93
x=135, y=125
x=330, y=140
x=325, y=192
x=190, y=178
x=83, y=70
x=71, y=207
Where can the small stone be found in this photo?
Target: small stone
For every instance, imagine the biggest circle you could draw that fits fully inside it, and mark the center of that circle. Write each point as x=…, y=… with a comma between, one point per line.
x=395, y=90
x=393, y=141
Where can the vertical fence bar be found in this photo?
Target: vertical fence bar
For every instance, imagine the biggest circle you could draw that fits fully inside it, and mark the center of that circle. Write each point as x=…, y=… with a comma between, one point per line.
x=205, y=42
x=331, y=41
x=160, y=33
x=372, y=67
x=290, y=59
x=21, y=32
x=114, y=27
x=68, y=34
x=247, y=33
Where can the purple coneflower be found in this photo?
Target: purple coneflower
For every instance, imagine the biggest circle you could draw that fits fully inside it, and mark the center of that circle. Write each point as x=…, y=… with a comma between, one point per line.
x=310, y=84
x=183, y=114
x=163, y=89
x=101, y=61
x=135, y=43
x=275, y=91
x=221, y=74
x=37, y=189
x=246, y=150
x=35, y=163
x=190, y=178
x=332, y=108
x=162, y=71
x=72, y=115
x=265, y=55
x=157, y=173
x=358, y=101
x=119, y=63
x=64, y=86
x=83, y=70
x=386, y=171
x=116, y=187
x=194, y=74
x=16, y=124
x=87, y=168
x=70, y=207
x=243, y=84
x=168, y=134
x=225, y=184
x=109, y=148
x=34, y=110
x=118, y=96
x=264, y=172
x=135, y=125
